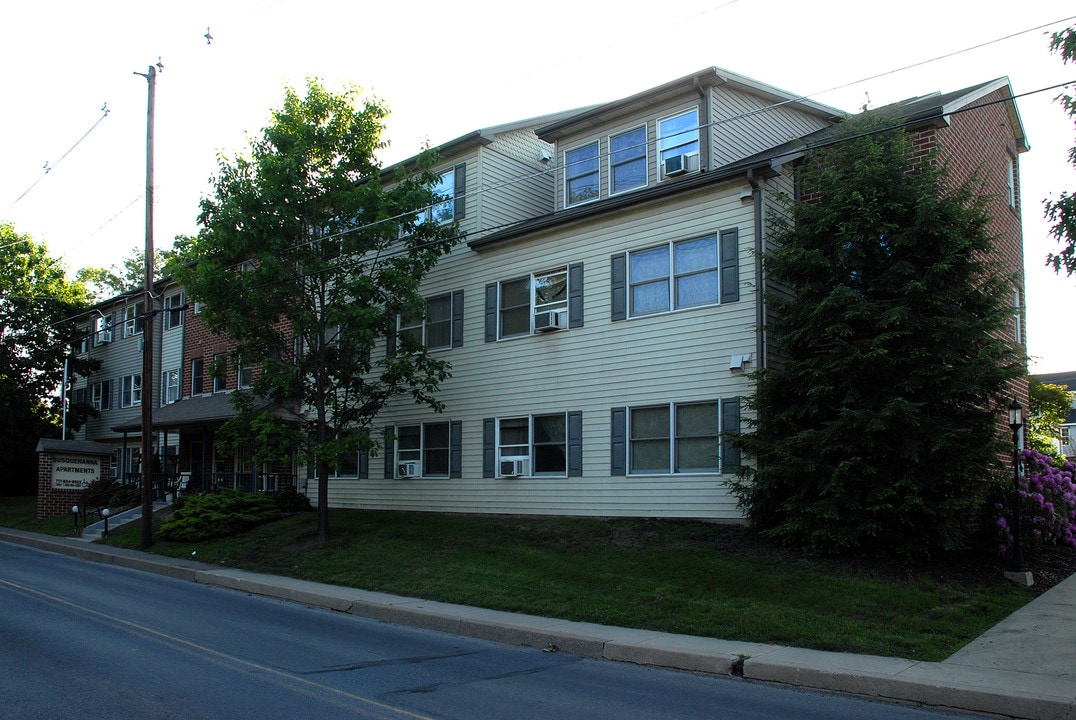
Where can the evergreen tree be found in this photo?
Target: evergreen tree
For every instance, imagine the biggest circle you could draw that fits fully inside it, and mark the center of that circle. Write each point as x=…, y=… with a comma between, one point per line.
x=875, y=425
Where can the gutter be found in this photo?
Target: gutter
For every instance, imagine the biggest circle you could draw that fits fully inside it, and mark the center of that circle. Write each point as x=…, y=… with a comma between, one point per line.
x=760, y=308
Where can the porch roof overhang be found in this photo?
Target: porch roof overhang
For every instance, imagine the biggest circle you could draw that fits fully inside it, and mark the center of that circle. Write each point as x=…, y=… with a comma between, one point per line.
x=191, y=412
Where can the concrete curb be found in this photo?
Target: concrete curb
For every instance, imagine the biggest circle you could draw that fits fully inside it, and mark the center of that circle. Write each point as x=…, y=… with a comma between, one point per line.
x=949, y=684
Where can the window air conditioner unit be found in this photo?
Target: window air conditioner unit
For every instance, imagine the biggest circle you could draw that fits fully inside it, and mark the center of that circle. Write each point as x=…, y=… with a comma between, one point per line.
x=514, y=468
x=681, y=164
x=408, y=469
x=548, y=320
x=104, y=337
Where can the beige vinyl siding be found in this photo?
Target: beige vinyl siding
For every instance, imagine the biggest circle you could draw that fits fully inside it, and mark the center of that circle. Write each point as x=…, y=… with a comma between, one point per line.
x=680, y=356
x=743, y=124
x=511, y=190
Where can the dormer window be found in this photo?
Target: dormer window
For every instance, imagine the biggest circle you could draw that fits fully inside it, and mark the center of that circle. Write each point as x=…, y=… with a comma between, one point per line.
x=582, y=175
x=627, y=160
x=678, y=137
x=448, y=191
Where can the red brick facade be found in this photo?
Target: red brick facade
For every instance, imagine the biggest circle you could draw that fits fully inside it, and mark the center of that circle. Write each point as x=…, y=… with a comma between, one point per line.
x=979, y=143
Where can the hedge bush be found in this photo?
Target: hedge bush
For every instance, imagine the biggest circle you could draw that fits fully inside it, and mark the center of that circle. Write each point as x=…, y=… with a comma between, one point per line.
x=200, y=517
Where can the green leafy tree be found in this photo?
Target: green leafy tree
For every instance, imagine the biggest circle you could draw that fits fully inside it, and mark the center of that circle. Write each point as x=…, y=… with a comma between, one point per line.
x=1049, y=406
x=875, y=424
x=305, y=260
x=129, y=275
x=37, y=327
x=1062, y=210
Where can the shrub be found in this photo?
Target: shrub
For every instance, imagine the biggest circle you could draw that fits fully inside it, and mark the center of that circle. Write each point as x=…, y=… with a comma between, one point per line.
x=1047, y=505
x=200, y=517
x=291, y=502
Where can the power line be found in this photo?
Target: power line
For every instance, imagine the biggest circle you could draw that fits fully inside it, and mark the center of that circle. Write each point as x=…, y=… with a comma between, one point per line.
x=49, y=168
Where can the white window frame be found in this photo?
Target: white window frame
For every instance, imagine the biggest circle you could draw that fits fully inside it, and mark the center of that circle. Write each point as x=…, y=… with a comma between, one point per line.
x=103, y=329
x=425, y=448
x=679, y=142
x=536, y=304
x=200, y=375
x=101, y=395
x=615, y=162
x=507, y=451
x=170, y=386
x=420, y=327
x=220, y=384
x=173, y=318
x=674, y=439
x=82, y=345
x=131, y=390
x=577, y=169
x=673, y=276
x=244, y=373
x=132, y=319
x=443, y=210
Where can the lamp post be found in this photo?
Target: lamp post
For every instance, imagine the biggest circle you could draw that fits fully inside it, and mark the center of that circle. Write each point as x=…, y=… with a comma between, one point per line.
x=74, y=513
x=104, y=514
x=1016, y=421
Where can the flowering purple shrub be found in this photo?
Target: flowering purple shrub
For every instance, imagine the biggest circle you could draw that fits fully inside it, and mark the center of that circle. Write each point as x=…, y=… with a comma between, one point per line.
x=1047, y=507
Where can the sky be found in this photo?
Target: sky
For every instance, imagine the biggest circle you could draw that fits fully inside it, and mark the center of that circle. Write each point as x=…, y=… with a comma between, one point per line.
x=446, y=69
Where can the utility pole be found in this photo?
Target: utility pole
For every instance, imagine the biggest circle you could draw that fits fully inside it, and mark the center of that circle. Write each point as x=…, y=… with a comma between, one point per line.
x=147, y=328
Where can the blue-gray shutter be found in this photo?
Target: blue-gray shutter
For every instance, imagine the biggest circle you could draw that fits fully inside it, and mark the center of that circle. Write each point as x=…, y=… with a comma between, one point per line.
x=618, y=442
x=575, y=295
x=575, y=444
x=730, y=423
x=364, y=464
x=491, y=312
x=618, y=286
x=457, y=318
x=489, y=450
x=390, y=452
x=390, y=341
x=730, y=265
x=455, y=449
x=459, y=204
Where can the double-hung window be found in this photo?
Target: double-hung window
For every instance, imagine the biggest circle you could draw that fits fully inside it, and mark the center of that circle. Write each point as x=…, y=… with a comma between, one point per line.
x=82, y=345
x=131, y=390
x=197, y=375
x=627, y=160
x=101, y=395
x=422, y=450
x=220, y=372
x=533, y=445
x=173, y=316
x=675, y=438
x=673, y=276
x=676, y=275
x=540, y=442
x=678, y=136
x=104, y=329
x=244, y=373
x=132, y=319
x=442, y=325
x=551, y=299
x=582, y=174
x=169, y=386
x=448, y=197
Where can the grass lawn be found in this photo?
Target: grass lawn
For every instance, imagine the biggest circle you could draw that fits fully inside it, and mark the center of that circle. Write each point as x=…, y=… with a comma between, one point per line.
x=677, y=576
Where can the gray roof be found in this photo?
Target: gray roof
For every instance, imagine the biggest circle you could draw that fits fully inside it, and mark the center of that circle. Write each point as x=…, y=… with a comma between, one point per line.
x=78, y=447
x=200, y=410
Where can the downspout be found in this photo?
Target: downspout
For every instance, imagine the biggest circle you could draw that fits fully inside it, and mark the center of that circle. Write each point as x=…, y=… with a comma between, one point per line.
x=760, y=308
x=704, y=122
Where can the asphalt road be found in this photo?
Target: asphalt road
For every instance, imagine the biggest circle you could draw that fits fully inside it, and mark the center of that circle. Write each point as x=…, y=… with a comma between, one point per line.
x=85, y=640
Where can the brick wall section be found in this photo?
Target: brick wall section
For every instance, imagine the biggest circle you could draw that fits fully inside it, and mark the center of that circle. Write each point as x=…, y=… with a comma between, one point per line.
x=50, y=502
x=978, y=146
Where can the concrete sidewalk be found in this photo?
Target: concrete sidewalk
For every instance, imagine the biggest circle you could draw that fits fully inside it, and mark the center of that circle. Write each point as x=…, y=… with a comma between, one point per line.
x=1025, y=667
